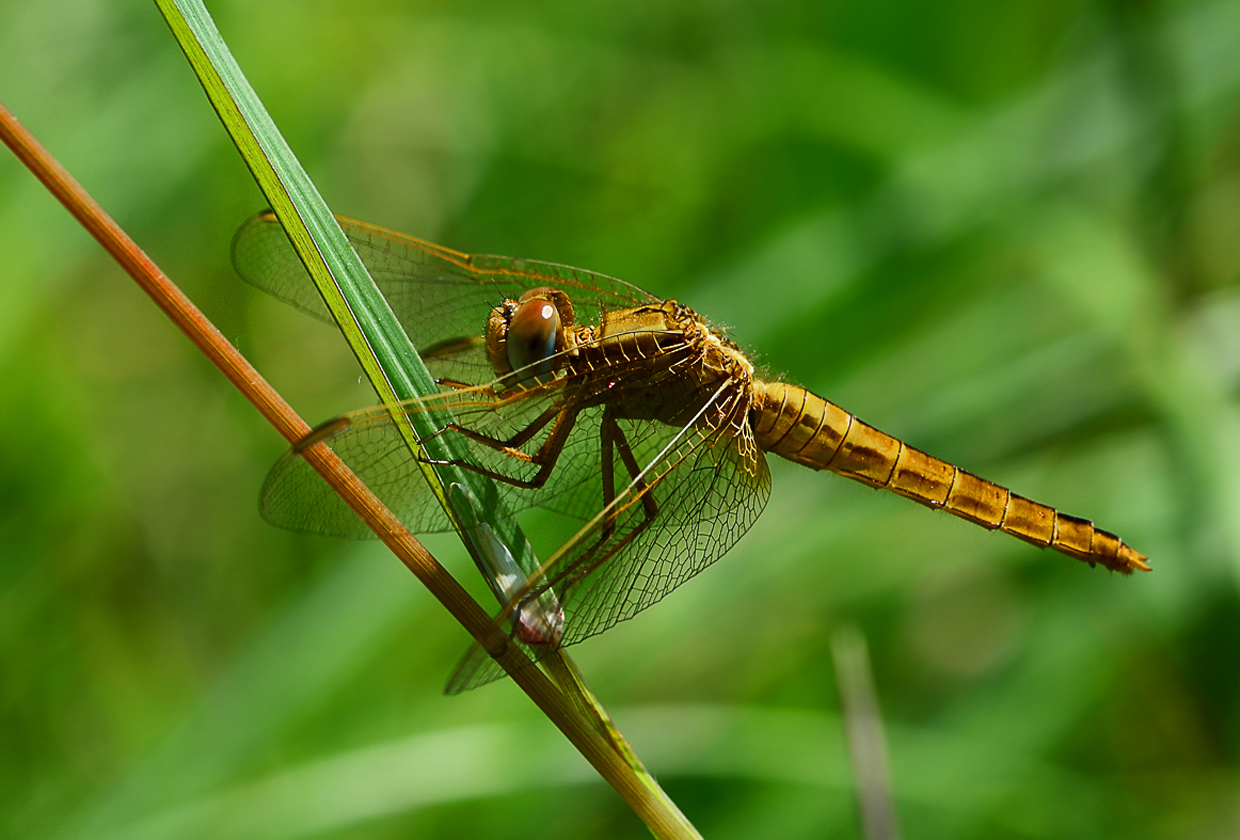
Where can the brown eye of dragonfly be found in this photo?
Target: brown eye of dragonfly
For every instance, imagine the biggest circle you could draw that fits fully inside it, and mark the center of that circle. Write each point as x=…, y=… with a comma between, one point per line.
x=532, y=334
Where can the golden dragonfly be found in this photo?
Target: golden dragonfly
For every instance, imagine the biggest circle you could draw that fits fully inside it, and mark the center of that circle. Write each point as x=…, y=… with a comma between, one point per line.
x=583, y=394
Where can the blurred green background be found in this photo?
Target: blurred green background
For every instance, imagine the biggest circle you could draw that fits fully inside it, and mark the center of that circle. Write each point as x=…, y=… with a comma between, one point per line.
x=1007, y=232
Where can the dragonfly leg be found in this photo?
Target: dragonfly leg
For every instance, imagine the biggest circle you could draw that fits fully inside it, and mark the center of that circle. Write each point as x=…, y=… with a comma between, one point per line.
x=612, y=438
x=612, y=442
x=601, y=552
x=508, y=445
x=545, y=458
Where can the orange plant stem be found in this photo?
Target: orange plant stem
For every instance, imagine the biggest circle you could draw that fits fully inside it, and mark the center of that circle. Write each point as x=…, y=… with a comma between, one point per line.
x=280, y=414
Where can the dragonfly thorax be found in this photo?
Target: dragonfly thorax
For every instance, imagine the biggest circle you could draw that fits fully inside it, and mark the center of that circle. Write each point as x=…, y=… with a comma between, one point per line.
x=671, y=366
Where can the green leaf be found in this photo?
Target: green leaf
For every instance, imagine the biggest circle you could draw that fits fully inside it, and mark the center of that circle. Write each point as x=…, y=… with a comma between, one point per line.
x=373, y=333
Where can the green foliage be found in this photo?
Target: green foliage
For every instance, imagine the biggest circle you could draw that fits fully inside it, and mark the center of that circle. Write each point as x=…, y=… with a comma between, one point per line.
x=1003, y=231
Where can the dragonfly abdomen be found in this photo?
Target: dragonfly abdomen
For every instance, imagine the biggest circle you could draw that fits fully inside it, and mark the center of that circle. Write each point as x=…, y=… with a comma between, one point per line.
x=801, y=426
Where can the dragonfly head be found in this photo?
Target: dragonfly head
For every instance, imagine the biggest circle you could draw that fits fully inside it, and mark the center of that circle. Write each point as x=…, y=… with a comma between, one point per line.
x=525, y=335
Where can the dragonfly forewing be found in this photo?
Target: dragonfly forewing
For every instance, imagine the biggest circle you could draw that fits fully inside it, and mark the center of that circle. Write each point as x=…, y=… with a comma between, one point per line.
x=441, y=297
x=295, y=498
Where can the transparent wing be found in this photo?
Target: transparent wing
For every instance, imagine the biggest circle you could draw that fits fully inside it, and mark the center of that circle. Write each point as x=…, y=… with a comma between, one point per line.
x=296, y=498
x=708, y=488
x=700, y=490
x=441, y=297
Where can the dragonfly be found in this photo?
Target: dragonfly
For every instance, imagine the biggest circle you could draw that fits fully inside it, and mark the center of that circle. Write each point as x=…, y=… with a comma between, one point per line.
x=585, y=395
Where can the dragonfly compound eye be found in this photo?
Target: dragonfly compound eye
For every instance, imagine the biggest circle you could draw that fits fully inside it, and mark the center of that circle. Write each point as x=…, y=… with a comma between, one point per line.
x=532, y=334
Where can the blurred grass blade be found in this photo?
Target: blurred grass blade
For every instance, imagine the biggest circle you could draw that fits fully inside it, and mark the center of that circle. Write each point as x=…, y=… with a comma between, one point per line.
x=867, y=745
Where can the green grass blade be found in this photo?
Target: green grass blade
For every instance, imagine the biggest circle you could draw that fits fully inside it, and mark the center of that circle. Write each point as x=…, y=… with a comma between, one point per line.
x=376, y=338
x=373, y=333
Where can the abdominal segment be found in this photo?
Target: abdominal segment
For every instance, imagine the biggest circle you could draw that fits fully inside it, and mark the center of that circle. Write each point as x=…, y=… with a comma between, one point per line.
x=803, y=427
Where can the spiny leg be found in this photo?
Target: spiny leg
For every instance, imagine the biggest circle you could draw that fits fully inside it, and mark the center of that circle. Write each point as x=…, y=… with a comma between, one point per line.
x=546, y=457
x=563, y=580
x=507, y=445
x=612, y=440
x=612, y=437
